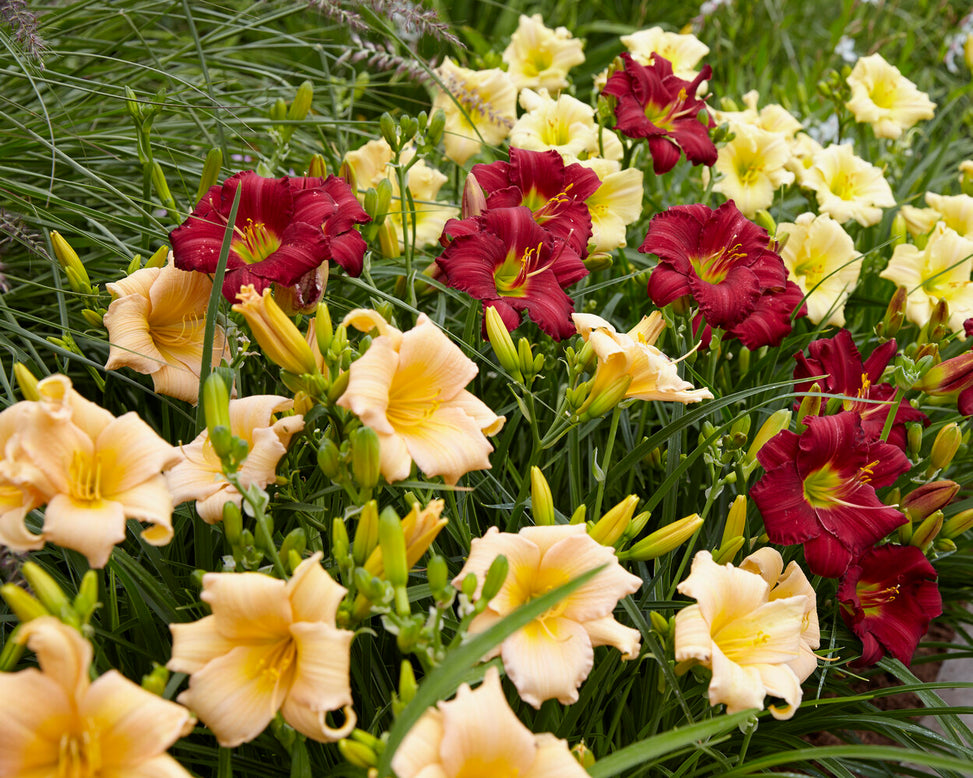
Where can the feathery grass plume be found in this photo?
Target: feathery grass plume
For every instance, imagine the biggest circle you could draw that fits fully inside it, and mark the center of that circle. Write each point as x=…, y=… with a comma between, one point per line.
x=23, y=24
x=415, y=20
x=383, y=56
x=337, y=13
x=13, y=229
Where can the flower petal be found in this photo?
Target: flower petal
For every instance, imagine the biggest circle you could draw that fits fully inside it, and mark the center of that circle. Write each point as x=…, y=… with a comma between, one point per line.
x=248, y=606
x=554, y=760
x=93, y=528
x=548, y=659
x=419, y=749
x=29, y=733
x=196, y=643
x=321, y=681
x=314, y=595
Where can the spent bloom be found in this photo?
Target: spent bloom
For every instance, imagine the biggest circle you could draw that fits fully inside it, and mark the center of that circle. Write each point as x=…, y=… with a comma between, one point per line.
x=752, y=168
x=268, y=646
x=156, y=322
x=551, y=656
x=58, y=722
x=477, y=734
x=410, y=388
x=846, y=186
x=754, y=628
x=563, y=124
x=882, y=97
x=539, y=57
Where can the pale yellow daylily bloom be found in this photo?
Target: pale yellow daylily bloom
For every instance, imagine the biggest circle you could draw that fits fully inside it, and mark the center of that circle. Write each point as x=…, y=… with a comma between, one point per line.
x=821, y=259
x=613, y=205
x=57, y=722
x=564, y=124
x=539, y=57
x=882, y=97
x=156, y=323
x=683, y=50
x=803, y=150
x=847, y=187
x=955, y=211
x=941, y=270
x=92, y=470
x=268, y=646
x=477, y=734
x=199, y=476
x=551, y=656
x=756, y=638
x=752, y=168
x=654, y=375
x=486, y=111
x=411, y=389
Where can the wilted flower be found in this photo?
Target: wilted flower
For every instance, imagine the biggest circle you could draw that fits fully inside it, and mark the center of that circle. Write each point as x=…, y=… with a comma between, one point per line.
x=58, y=722
x=882, y=97
x=563, y=124
x=539, y=57
x=551, y=656
x=752, y=168
x=411, y=389
x=847, y=187
x=753, y=628
x=477, y=733
x=956, y=211
x=156, y=323
x=268, y=646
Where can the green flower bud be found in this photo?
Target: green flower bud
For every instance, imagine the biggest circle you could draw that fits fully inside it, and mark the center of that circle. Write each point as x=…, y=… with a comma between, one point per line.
x=810, y=403
x=366, y=533
x=495, y=577
x=956, y=525
x=25, y=606
x=436, y=126
x=925, y=533
x=295, y=541
x=339, y=539
x=301, y=104
x=329, y=458
x=317, y=167
x=542, y=503
x=389, y=131
x=659, y=623
x=161, y=186
x=86, y=601
x=728, y=550
x=578, y=516
x=365, y=457
x=437, y=573
x=73, y=267
x=323, y=328
x=357, y=754
x=211, y=172
x=49, y=593
x=468, y=585
x=391, y=538
x=778, y=420
x=501, y=341
x=664, y=540
x=216, y=404
x=736, y=519
x=155, y=682
x=945, y=446
x=159, y=258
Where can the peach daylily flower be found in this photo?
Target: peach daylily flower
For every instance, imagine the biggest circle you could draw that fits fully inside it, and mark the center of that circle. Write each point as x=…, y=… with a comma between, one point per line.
x=477, y=734
x=755, y=630
x=882, y=97
x=411, y=389
x=551, y=656
x=92, y=470
x=539, y=57
x=269, y=645
x=57, y=722
x=155, y=326
x=199, y=476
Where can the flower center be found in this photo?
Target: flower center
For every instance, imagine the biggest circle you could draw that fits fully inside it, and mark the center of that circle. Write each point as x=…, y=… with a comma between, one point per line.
x=549, y=209
x=821, y=487
x=872, y=598
x=883, y=94
x=79, y=756
x=477, y=767
x=177, y=333
x=276, y=664
x=84, y=477
x=714, y=268
x=512, y=275
x=845, y=186
x=664, y=116
x=538, y=63
x=254, y=243
x=410, y=405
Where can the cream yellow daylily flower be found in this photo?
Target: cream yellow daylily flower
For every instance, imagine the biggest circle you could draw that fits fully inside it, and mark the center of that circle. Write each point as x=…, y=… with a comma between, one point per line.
x=684, y=51
x=955, y=211
x=411, y=389
x=613, y=205
x=92, y=470
x=821, y=259
x=564, y=124
x=199, y=476
x=477, y=734
x=803, y=150
x=57, y=722
x=847, y=187
x=539, y=57
x=755, y=630
x=882, y=97
x=268, y=646
x=155, y=326
x=941, y=270
x=752, y=168
x=772, y=118
x=551, y=656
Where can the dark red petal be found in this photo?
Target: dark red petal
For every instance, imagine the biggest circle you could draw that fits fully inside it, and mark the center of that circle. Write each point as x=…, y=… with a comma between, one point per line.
x=964, y=403
x=494, y=176
x=348, y=204
x=348, y=250
x=511, y=319
x=666, y=284
x=549, y=307
x=878, y=359
x=507, y=197
x=694, y=139
x=725, y=304
x=779, y=496
x=469, y=263
x=780, y=450
x=826, y=555
x=665, y=154
x=568, y=268
x=770, y=321
x=196, y=243
x=675, y=233
x=861, y=524
x=267, y=201
x=837, y=441
x=892, y=462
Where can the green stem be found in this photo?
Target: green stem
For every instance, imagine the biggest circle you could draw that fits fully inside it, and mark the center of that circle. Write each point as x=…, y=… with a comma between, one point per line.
x=606, y=460
x=893, y=412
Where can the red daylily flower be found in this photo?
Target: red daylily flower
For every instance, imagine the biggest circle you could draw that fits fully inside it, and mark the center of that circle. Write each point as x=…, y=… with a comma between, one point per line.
x=839, y=359
x=819, y=490
x=285, y=229
x=506, y=259
x=888, y=597
x=553, y=191
x=653, y=103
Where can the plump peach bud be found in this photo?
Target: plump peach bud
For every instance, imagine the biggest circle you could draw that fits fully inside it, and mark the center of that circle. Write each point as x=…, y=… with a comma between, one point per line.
x=541, y=501
x=25, y=606
x=956, y=525
x=609, y=528
x=276, y=334
x=474, y=199
x=926, y=499
x=925, y=533
x=945, y=446
x=27, y=382
x=366, y=534
x=664, y=540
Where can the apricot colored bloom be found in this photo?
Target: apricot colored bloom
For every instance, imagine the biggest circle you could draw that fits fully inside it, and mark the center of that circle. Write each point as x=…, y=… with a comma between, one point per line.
x=614, y=205
x=882, y=97
x=653, y=375
x=752, y=168
x=683, y=51
x=539, y=57
x=411, y=389
x=480, y=107
x=820, y=258
x=551, y=656
x=940, y=271
x=155, y=326
x=847, y=187
x=477, y=734
x=755, y=630
x=563, y=124
x=199, y=476
x=955, y=211
x=268, y=646
x=57, y=722
x=91, y=469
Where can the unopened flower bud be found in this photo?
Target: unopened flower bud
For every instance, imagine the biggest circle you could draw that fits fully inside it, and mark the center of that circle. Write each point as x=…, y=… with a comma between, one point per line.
x=155, y=682
x=329, y=458
x=86, y=600
x=778, y=421
x=216, y=403
x=956, y=525
x=926, y=499
x=301, y=104
x=211, y=172
x=736, y=519
x=317, y=167
x=664, y=540
x=338, y=386
x=25, y=606
x=159, y=257
x=899, y=232
x=232, y=523
x=937, y=327
x=659, y=623
x=161, y=186
x=810, y=403
x=599, y=260
x=945, y=446
x=583, y=755
x=47, y=590
x=578, y=516
x=407, y=682
x=388, y=240
x=357, y=754
x=73, y=267
x=894, y=315
x=495, y=577
x=27, y=382
x=966, y=172
x=294, y=543
x=925, y=533
x=365, y=457
x=503, y=345
x=913, y=435
x=728, y=550
x=389, y=130
x=437, y=573
x=347, y=172
x=949, y=377
x=339, y=539
x=525, y=357
x=437, y=124
x=276, y=334
x=765, y=220
x=610, y=527
x=391, y=539
x=366, y=533
x=600, y=402
x=541, y=501
x=93, y=318
x=474, y=198
x=323, y=328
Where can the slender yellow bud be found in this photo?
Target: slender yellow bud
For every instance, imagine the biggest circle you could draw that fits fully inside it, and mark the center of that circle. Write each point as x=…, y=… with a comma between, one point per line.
x=366, y=536
x=86, y=600
x=159, y=257
x=578, y=516
x=956, y=525
x=25, y=606
x=27, y=382
x=610, y=527
x=301, y=104
x=276, y=334
x=728, y=550
x=778, y=421
x=501, y=341
x=664, y=540
x=317, y=167
x=810, y=404
x=69, y=260
x=736, y=519
x=542, y=503
x=925, y=533
x=945, y=446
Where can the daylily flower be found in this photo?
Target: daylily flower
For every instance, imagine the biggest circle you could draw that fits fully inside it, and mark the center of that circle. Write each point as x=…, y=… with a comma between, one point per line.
x=683, y=51
x=846, y=374
x=199, y=476
x=268, y=646
x=92, y=470
x=820, y=258
x=539, y=57
x=956, y=211
x=847, y=187
x=551, y=656
x=410, y=388
x=57, y=722
x=772, y=118
x=940, y=271
x=477, y=734
x=882, y=97
x=487, y=108
x=819, y=490
x=663, y=108
x=563, y=124
x=155, y=326
x=752, y=168
x=506, y=259
x=755, y=630
x=888, y=596
x=285, y=228
x=614, y=205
